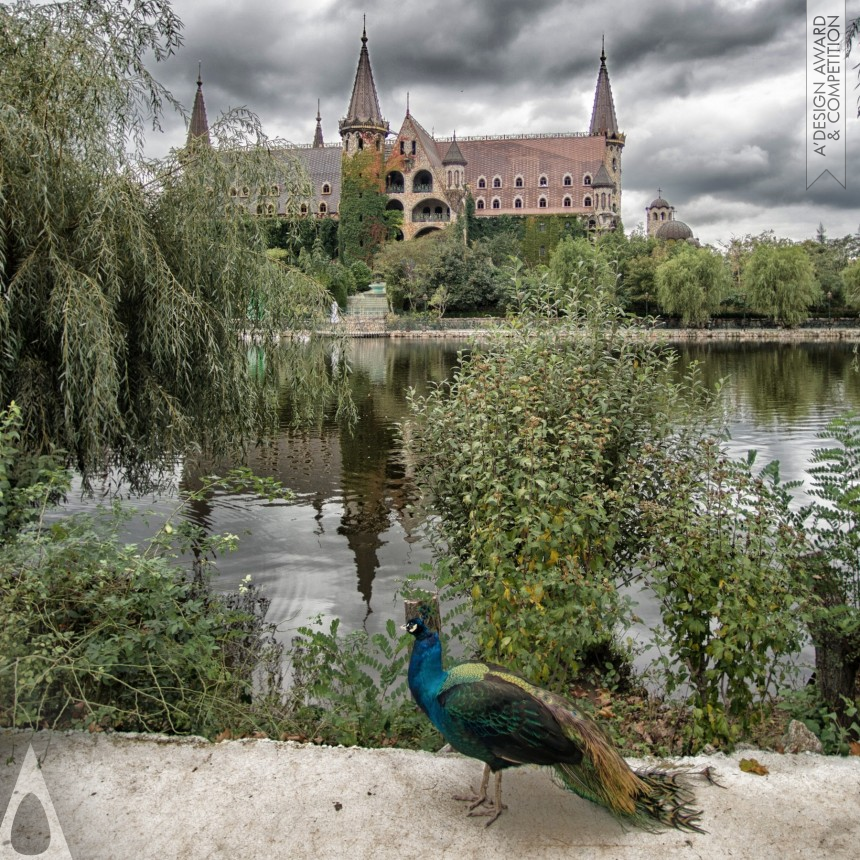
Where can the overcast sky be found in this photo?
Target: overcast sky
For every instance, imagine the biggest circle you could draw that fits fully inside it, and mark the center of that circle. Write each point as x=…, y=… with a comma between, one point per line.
x=710, y=95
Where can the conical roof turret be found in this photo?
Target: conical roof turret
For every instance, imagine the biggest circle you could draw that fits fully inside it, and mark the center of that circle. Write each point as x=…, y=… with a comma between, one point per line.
x=363, y=111
x=198, y=128
x=318, y=137
x=603, y=120
x=454, y=155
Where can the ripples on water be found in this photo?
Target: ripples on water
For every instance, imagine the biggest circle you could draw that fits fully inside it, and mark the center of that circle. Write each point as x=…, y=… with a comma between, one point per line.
x=342, y=547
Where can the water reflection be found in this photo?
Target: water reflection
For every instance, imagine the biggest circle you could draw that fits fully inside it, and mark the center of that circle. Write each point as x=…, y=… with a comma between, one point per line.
x=342, y=547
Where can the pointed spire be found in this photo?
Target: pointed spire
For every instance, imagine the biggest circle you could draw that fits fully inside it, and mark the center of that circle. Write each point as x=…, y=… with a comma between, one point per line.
x=603, y=119
x=318, y=138
x=364, y=105
x=198, y=128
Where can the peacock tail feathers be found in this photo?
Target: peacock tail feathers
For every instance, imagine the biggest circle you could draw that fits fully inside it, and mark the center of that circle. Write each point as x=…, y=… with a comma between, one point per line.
x=661, y=799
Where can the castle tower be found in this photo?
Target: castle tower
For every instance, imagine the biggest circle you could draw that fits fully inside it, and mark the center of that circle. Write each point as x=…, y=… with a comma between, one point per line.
x=363, y=125
x=318, y=138
x=198, y=128
x=658, y=213
x=455, y=165
x=604, y=122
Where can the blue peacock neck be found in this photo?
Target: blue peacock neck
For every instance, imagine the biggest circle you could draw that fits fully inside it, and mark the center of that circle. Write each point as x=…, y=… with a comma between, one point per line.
x=426, y=674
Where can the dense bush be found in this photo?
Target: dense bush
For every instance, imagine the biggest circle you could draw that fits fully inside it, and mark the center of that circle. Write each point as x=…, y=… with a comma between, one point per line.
x=522, y=455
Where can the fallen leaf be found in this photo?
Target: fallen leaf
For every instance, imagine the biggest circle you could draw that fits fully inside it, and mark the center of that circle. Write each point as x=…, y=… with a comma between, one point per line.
x=226, y=735
x=854, y=748
x=750, y=765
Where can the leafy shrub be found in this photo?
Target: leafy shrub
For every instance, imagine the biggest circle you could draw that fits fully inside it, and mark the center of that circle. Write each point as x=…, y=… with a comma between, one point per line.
x=722, y=559
x=352, y=689
x=522, y=455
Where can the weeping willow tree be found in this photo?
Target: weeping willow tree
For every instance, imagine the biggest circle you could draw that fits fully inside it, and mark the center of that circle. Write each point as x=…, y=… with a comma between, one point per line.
x=125, y=283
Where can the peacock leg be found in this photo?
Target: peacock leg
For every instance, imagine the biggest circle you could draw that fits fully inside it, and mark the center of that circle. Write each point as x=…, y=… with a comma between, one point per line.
x=494, y=810
x=473, y=799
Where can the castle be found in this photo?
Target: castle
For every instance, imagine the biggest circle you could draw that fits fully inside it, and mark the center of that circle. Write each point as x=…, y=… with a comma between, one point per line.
x=427, y=178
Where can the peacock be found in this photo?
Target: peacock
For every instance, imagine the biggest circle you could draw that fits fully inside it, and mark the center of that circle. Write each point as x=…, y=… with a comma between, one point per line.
x=492, y=714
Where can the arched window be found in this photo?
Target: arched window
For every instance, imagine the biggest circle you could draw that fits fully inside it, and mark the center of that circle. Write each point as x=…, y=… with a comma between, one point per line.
x=568, y=180
x=245, y=191
x=518, y=202
x=655, y=217
x=542, y=181
x=323, y=208
x=497, y=182
x=479, y=203
x=270, y=208
x=360, y=143
x=234, y=191
x=497, y=204
x=518, y=182
x=259, y=208
x=303, y=210
x=603, y=200
x=586, y=180
x=542, y=203
x=587, y=202
x=413, y=147
x=326, y=189
x=403, y=147
x=275, y=191
x=567, y=202
x=482, y=182
x=614, y=164
x=662, y=216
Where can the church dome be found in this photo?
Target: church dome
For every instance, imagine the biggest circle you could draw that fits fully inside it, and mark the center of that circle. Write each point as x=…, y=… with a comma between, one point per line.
x=659, y=203
x=676, y=230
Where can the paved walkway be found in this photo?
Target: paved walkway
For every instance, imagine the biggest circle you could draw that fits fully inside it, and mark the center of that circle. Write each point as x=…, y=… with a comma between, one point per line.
x=126, y=796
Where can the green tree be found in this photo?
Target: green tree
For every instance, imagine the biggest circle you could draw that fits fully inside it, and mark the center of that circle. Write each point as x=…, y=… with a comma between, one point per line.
x=851, y=283
x=580, y=269
x=779, y=281
x=692, y=284
x=123, y=283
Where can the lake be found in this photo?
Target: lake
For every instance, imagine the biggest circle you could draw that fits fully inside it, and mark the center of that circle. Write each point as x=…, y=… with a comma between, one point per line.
x=341, y=548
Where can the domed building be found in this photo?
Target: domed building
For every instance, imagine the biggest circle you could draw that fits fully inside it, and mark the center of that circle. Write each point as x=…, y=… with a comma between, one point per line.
x=661, y=222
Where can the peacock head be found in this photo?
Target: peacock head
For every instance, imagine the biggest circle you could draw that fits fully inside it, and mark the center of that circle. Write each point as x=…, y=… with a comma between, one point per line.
x=417, y=628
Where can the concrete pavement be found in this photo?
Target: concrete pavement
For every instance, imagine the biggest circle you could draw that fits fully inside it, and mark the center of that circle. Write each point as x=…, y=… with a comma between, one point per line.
x=128, y=796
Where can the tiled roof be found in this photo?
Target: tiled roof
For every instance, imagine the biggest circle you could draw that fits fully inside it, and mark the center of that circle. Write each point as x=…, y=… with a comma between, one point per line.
x=551, y=156
x=323, y=164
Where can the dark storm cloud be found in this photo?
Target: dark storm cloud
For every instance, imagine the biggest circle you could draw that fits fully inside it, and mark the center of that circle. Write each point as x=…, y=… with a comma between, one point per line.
x=711, y=95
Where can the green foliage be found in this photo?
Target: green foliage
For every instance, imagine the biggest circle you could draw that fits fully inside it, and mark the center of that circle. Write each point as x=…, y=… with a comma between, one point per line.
x=851, y=283
x=833, y=568
x=836, y=730
x=124, y=284
x=542, y=233
x=692, y=284
x=578, y=267
x=522, y=456
x=27, y=482
x=352, y=689
x=721, y=556
x=779, y=281
x=362, y=275
x=300, y=233
x=439, y=271
x=103, y=634
x=364, y=223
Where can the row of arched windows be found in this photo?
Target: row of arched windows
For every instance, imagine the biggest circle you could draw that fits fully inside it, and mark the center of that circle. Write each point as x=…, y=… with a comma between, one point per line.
x=269, y=190
x=543, y=181
x=272, y=208
x=496, y=203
